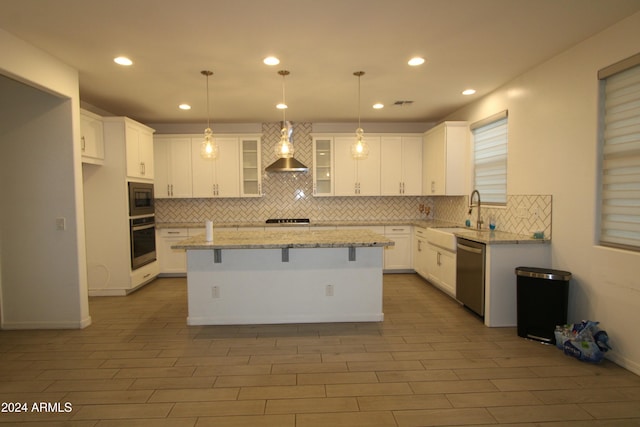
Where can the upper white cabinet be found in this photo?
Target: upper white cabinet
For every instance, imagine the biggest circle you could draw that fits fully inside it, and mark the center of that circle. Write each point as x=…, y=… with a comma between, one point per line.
x=251, y=171
x=219, y=177
x=139, y=143
x=323, y=166
x=446, y=160
x=401, y=165
x=356, y=177
x=172, y=164
x=91, y=138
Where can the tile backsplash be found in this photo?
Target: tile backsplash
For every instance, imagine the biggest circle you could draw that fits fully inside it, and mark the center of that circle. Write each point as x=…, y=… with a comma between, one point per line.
x=523, y=214
x=289, y=195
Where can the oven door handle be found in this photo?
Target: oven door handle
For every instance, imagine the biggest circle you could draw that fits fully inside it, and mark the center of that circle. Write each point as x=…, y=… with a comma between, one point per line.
x=142, y=227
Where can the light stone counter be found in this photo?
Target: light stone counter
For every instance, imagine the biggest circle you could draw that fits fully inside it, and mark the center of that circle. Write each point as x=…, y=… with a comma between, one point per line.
x=286, y=239
x=487, y=237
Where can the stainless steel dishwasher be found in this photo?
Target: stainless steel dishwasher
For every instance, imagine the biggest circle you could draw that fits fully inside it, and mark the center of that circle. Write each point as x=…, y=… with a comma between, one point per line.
x=470, y=261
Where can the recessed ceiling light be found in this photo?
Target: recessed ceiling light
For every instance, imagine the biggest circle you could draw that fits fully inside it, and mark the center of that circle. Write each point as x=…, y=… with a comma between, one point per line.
x=184, y=107
x=378, y=106
x=123, y=60
x=281, y=106
x=271, y=60
x=415, y=61
x=468, y=91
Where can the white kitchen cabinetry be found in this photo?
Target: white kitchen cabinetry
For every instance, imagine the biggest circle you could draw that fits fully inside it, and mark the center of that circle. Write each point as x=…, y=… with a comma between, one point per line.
x=441, y=267
x=172, y=261
x=323, y=166
x=446, y=160
x=398, y=257
x=172, y=164
x=219, y=177
x=91, y=138
x=356, y=177
x=401, y=165
x=106, y=216
x=420, y=260
x=251, y=171
x=139, y=145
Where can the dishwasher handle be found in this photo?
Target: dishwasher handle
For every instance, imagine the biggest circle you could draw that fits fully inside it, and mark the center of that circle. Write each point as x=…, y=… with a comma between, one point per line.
x=469, y=248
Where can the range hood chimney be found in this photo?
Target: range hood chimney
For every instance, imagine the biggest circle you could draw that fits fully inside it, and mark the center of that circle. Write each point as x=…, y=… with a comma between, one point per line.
x=287, y=164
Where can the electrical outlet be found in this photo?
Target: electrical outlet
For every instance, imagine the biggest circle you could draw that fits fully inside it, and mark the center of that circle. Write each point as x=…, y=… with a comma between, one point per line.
x=61, y=224
x=215, y=292
x=329, y=290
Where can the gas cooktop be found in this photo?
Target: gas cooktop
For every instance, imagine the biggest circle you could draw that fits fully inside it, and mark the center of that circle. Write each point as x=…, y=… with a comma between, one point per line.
x=288, y=221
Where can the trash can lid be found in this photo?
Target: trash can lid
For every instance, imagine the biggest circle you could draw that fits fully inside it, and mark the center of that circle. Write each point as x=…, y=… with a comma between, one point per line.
x=543, y=273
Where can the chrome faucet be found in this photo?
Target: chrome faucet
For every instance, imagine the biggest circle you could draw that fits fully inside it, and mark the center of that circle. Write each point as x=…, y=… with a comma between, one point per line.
x=479, y=221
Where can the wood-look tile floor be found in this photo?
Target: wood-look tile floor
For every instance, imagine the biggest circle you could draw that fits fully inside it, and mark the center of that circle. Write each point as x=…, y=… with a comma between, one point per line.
x=430, y=363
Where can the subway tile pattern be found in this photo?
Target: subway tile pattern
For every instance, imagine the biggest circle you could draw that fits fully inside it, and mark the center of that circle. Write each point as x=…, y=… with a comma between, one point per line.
x=289, y=195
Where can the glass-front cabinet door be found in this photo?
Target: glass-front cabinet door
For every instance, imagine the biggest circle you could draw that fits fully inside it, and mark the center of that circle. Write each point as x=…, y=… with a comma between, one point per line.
x=251, y=179
x=323, y=166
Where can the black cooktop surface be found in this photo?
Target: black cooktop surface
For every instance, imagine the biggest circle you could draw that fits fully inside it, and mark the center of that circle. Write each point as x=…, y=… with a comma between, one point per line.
x=288, y=221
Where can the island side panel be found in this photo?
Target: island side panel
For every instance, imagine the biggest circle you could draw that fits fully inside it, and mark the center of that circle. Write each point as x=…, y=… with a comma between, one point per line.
x=501, y=280
x=254, y=286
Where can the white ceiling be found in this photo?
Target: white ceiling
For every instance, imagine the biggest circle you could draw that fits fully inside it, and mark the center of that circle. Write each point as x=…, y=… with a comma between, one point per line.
x=467, y=43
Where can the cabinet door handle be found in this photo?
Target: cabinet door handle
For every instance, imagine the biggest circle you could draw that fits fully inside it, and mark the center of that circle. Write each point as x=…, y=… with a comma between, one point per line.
x=82, y=143
x=168, y=190
x=433, y=186
x=173, y=232
x=419, y=245
x=438, y=261
x=171, y=190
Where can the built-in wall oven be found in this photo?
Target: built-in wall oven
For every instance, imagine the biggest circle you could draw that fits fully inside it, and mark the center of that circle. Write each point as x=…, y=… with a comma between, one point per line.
x=142, y=224
x=143, y=241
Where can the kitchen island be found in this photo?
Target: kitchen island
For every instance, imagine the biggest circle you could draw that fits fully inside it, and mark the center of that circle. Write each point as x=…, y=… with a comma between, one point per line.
x=261, y=277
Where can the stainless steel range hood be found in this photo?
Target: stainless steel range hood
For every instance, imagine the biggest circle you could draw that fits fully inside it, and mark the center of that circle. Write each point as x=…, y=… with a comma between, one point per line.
x=287, y=164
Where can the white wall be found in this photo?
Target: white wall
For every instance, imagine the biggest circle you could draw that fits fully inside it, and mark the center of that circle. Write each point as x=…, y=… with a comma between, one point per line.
x=553, y=147
x=43, y=276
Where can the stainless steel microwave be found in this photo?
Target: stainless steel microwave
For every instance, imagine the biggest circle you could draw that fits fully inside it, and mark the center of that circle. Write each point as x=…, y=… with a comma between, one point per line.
x=140, y=199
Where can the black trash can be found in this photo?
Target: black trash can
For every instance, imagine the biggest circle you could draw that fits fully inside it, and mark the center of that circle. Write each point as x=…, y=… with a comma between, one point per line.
x=542, y=302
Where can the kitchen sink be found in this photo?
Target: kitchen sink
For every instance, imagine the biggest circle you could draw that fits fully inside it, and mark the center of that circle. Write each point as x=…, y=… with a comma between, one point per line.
x=443, y=237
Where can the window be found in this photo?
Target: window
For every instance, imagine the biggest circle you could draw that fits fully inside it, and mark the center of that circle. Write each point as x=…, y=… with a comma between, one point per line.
x=620, y=154
x=490, y=158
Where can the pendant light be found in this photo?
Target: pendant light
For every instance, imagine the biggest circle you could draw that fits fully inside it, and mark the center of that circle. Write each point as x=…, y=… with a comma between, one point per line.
x=359, y=148
x=209, y=148
x=284, y=149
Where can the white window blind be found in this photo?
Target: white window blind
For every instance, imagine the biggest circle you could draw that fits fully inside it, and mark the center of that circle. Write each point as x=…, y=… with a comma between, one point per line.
x=490, y=158
x=620, y=135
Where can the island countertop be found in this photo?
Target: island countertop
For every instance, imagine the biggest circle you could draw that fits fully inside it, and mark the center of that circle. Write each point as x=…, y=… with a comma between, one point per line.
x=286, y=239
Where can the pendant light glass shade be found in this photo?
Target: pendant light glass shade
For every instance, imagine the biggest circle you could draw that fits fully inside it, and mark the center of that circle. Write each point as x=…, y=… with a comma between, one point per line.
x=284, y=149
x=359, y=148
x=208, y=148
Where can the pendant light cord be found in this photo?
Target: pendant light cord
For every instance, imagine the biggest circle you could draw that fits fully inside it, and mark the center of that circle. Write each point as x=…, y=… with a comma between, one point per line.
x=359, y=74
x=207, y=73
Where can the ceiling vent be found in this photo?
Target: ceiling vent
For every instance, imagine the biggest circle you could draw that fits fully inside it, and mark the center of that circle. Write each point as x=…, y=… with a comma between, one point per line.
x=402, y=103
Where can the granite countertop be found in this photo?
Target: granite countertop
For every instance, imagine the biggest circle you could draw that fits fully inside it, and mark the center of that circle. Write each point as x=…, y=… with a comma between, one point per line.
x=485, y=236
x=283, y=239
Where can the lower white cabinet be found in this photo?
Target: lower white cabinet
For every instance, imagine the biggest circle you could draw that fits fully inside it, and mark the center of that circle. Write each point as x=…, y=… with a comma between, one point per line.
x=441, y=267
x=420, y=252
x=173, y=262
x=398, y=257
